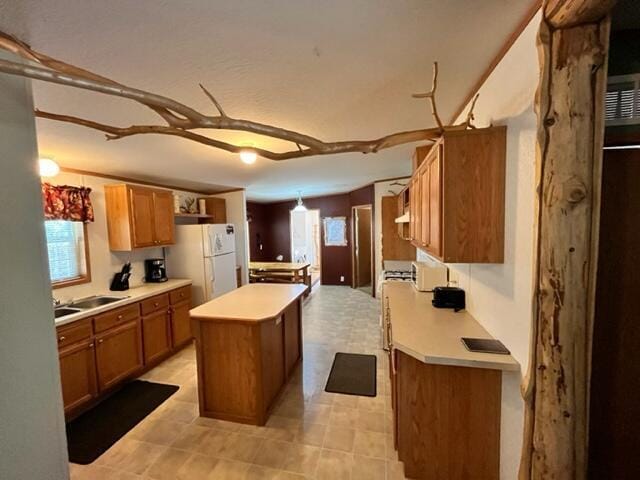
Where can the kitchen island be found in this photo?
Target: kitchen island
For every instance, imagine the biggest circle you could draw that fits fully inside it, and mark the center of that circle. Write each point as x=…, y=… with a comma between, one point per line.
x=248, y=343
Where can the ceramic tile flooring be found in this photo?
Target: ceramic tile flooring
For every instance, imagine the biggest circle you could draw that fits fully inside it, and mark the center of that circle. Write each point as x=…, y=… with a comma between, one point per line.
x=311, y=433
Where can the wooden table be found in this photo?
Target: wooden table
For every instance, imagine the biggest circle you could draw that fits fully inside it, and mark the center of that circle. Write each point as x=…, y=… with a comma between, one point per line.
x=280, y=272
x=248, y=343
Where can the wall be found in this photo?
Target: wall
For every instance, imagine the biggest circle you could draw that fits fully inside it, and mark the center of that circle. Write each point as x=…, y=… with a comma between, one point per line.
x=257, y=215
x=500, y=296
x=32, y=434
x=272, y=222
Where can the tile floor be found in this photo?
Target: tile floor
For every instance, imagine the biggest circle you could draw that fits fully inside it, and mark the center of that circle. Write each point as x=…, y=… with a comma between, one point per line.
x=311, y=434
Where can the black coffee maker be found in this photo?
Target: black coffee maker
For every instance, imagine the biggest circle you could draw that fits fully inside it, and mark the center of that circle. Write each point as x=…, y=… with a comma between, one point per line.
x=155, y=270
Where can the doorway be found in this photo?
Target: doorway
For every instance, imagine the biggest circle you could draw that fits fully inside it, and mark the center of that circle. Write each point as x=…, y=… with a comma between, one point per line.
x=614, y=412
x=362, y=249
x=305, y=240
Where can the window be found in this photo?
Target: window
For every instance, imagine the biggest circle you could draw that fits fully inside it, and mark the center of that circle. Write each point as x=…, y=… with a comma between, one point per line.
x=68, y=252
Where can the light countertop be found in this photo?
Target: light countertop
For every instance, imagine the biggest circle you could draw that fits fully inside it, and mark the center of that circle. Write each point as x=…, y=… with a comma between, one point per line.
x=134, y=294
x=433, y=335
x=254, y=302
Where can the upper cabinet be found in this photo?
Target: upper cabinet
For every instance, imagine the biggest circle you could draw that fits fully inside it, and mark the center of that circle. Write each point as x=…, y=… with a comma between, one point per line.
x=138, y=217
x=457, y=197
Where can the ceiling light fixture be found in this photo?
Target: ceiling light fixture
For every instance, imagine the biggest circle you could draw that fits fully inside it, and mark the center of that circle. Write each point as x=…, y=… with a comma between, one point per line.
x=48, y=168
x=300, y=206
x=248, y=156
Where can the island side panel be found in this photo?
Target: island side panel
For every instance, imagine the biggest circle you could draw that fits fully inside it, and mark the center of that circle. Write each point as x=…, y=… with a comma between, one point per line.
x=273, y=373
x=228, y=364
x=292, y=336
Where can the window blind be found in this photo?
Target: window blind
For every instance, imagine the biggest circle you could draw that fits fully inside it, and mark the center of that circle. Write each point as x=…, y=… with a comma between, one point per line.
x=64, y=246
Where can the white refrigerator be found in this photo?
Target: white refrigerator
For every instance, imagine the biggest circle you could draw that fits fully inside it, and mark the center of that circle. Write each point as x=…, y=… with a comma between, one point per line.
x=206, y=255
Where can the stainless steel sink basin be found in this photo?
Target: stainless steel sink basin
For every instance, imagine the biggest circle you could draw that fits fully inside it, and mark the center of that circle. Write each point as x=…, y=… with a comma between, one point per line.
x=64, y=311
x=97, y=301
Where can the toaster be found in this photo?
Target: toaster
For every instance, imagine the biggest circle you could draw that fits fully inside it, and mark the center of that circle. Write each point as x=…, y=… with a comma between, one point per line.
x=448, y=297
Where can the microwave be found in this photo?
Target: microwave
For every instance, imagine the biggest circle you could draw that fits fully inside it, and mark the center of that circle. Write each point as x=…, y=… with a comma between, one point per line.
x=425, y=276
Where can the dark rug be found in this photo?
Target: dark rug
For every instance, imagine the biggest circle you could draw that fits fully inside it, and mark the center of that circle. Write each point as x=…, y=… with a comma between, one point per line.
x=93, y=432
x=353, y=374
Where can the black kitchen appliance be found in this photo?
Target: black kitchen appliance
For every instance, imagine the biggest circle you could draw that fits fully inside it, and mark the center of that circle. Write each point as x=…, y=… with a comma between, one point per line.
x=448, y=297
x=120, y=280
x=155, y=270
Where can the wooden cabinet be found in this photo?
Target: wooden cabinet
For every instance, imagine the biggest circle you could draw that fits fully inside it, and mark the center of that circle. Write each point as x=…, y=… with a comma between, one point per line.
x=218, y=208
x=403, y=208
x=78, y=374
x=393, y=246
x=457, y=209
x=446, y=420
x=244, y=364
x=97, y=354
x=138, y=217
x=180, y=324
x=118, y=353
x=156, y=335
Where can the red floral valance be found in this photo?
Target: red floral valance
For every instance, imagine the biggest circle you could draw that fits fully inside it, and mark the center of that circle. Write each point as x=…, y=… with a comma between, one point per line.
x=64, y=202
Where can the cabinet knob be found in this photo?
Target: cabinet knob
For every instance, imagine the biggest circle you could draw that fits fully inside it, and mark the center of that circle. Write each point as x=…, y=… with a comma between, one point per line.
x=101, y=340
x=62, y=339
x=91, y=345
x=156, y=304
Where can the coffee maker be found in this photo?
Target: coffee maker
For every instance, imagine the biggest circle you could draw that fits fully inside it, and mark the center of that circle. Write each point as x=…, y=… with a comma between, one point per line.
x=155, y=270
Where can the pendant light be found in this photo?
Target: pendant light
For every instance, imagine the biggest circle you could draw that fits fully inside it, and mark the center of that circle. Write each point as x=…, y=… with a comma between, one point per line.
x=300, y=206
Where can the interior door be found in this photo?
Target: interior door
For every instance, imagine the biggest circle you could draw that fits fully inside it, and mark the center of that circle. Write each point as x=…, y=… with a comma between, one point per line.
x=614, y=417
x=142, y=216
x=163, y=217
x=363, y=246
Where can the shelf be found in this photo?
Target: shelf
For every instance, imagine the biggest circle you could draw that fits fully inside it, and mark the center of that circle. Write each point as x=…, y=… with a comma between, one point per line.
x=192, y=215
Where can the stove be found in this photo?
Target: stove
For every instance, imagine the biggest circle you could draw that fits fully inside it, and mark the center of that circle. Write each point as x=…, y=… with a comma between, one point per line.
x=396, y=275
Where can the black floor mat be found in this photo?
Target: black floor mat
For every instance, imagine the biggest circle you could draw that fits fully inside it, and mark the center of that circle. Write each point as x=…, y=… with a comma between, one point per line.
x=93, y=432
x=353, y=374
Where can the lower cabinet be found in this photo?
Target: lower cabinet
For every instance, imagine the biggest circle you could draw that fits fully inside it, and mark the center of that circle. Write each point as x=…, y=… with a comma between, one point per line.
x=181, y=323
x=156, y=335
x=97, y=354
x=78, y=374
x=273, y=349
x=446, y=420
x=118, y=353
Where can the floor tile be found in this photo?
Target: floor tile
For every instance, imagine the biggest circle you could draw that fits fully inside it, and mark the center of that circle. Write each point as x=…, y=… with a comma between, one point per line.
x=370, y=444
x=272, y=453
x=339, y=438
x=365, y=468
x=334, y=465
x=302, y=459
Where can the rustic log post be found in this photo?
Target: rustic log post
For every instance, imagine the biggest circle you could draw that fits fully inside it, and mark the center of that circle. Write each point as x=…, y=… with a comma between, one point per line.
x=573, y=43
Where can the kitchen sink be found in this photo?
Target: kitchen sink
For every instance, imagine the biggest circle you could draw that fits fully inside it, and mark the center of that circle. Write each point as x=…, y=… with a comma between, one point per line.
x=97, y=301
x=64, y=311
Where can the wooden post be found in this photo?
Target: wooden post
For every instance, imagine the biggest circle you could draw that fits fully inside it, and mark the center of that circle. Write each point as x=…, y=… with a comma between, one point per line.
x=573, y=45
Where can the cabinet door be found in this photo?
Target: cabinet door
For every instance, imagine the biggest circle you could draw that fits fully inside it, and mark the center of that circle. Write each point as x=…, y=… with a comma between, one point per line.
x=118, y=353
x=156, y=337
x=424, y=207
x=163, y=218
x=416, y=211
x=78, y=374
x=400, y=212
x=180, y=323
x=435, y=206
x=273, y=375
x=142, y=223
x=292, y=334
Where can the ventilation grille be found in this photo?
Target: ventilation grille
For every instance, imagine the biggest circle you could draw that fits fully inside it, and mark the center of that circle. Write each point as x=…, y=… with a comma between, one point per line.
x=622, y=103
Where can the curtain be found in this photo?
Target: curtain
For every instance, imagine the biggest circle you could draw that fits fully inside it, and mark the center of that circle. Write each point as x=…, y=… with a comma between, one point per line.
x=64, y=202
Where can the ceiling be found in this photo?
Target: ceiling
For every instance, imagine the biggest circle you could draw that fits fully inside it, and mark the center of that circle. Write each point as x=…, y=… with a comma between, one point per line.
x=334, y=69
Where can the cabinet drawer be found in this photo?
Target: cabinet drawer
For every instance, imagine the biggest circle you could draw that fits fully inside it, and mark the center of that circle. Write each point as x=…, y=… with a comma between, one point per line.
x=116, y=317
x=154, y=304
x=180, y=294
x=74, y=332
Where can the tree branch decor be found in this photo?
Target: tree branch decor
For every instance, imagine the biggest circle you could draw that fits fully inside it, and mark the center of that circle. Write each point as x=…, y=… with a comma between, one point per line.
x=181, y=119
